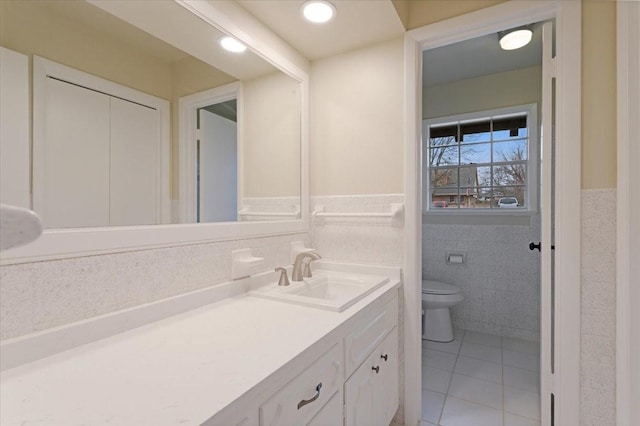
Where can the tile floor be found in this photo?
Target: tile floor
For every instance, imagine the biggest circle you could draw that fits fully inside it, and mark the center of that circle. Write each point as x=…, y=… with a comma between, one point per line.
x=480, y=380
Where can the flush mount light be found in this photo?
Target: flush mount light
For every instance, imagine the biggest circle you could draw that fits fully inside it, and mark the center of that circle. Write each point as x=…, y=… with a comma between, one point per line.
x=515, y=38
x=232, y=45
x=318, y=11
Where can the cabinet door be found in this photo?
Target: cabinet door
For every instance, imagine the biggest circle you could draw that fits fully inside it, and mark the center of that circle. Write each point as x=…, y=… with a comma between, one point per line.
x=371, y=393
x=134, y=174
x=386, y=393
x=359, y=395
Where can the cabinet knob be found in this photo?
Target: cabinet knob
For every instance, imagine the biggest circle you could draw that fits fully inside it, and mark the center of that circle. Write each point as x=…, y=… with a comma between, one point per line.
x=385, y=357
x=376, y=369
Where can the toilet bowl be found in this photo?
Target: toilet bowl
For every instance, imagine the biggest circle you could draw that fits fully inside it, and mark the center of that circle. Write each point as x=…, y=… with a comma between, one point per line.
x=437, y=298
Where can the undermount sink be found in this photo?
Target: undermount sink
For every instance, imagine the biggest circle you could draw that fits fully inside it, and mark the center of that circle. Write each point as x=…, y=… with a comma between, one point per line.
x=334, y=291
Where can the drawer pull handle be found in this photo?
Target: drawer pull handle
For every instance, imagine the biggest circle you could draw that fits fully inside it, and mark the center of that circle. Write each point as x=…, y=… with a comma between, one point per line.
x=385, y=357
x=309, y=401
x=376, y=369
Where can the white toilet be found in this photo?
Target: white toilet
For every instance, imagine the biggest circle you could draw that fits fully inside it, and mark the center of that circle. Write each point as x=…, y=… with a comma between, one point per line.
x=437, y=298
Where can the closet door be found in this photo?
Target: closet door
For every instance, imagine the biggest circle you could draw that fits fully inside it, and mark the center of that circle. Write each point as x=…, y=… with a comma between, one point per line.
x=134, y=173
x=71, y=188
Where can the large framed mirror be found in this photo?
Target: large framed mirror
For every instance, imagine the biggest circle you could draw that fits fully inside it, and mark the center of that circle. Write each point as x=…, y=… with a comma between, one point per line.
x=147, y=133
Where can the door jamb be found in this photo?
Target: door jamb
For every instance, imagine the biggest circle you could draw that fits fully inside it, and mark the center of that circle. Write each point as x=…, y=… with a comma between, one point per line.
x=568, y=16
x=628, y=223
x=187, y=117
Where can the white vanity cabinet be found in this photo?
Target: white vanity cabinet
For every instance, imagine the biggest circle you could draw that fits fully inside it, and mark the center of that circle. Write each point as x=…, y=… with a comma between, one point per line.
x=353, y=382
x=371, y=393
x=302, y=398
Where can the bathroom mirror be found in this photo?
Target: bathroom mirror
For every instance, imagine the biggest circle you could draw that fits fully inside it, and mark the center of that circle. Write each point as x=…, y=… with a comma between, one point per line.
x=141, y=120
x=111, y=172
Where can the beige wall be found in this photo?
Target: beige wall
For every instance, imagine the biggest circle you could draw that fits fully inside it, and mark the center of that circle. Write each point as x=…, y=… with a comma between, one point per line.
x=357, y=121
x=519, y=87
x=598, y=94
x=27, y=28
x=271, y=139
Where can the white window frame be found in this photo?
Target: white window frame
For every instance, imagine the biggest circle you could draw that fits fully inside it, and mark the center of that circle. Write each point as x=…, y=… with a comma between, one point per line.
x=533, y=162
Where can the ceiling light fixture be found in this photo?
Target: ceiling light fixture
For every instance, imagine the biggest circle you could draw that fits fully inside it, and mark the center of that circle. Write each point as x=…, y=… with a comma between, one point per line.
x=232, y=45
x=318, y=11
x=515, y=38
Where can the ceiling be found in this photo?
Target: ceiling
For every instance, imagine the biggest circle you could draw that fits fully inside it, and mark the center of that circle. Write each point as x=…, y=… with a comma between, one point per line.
x=357, y=24
x=477, y=57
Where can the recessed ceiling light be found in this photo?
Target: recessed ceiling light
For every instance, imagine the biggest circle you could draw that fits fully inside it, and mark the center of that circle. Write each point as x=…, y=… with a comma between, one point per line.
x=515, y=38
x=232, y=45
x=318, y=11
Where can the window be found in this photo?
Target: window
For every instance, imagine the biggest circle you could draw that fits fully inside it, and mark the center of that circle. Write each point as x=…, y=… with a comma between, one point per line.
x=484, y=160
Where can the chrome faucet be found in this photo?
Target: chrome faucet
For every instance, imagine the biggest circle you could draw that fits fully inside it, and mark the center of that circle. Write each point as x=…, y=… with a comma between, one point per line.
x=301, y=267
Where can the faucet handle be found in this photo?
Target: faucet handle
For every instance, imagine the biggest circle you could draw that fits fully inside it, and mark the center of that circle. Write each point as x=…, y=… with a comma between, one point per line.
x=284, y=278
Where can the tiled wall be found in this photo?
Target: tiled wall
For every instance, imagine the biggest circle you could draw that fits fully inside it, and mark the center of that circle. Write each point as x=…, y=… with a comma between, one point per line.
x=500, y=278
x=37, y=296
x=363, y=240
x=598, y=315
x=359, y=240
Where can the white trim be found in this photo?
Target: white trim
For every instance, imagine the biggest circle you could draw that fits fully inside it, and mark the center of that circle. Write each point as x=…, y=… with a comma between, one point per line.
x=568, y=45
x=533, y=148
x=187, y=112
x=628, y=221
x=43, y=69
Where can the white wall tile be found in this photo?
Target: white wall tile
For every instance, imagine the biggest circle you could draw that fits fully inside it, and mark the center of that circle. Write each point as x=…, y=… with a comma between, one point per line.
x=500, y=279
x=40, y=295
x=598, y=315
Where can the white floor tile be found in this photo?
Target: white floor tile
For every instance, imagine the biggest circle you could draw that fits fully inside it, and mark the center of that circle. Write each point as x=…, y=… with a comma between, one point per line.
x=521, y=379
x=462, y=413
x=519, y=345
x=432, y=403
x=483, y=338
x=522, y=403
x=451, y=347
x=476, y=390
x=485, y=353
x=438, y=359
x=479, y=369
x=513, y=420
x=425, y=423
x=520, y=360
x=435, y=379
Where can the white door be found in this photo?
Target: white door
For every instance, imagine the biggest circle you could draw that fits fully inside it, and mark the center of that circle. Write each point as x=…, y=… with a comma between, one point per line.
x=547, y=209
x=217, y=169
x=134, y=174
x=14, y=129
x=74, y=163
x=359, y=397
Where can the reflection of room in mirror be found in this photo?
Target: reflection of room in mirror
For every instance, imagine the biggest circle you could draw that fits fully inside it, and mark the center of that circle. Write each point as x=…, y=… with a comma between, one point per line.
x=143, y=58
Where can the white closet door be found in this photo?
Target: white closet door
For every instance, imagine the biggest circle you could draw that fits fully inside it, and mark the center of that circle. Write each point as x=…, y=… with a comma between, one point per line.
x=134, y=178
x=73, y=190
x=218, y=169
x=14, y=129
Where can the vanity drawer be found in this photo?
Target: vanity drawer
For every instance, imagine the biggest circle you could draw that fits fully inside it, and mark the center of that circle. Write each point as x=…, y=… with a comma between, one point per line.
x=368, y=333
x=298, y=401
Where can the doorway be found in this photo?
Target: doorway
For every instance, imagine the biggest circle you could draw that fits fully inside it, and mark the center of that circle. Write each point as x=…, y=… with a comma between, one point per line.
x=560, y=394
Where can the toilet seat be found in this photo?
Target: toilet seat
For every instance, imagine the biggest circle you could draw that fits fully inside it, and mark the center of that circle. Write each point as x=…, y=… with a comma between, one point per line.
x=437, y=287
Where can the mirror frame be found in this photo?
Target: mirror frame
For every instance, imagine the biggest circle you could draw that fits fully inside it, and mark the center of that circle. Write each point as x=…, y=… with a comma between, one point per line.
x=229, y=18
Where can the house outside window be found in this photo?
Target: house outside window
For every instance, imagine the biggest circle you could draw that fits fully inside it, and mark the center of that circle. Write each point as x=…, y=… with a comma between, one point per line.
x=485, y=161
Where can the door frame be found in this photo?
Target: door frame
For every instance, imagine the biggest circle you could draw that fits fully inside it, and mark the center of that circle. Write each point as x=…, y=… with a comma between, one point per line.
x=568, y=15
x=627, y=220
x=188, y=107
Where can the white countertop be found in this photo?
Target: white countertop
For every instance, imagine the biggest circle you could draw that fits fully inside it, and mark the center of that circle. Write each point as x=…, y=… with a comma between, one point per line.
x=180, y=370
